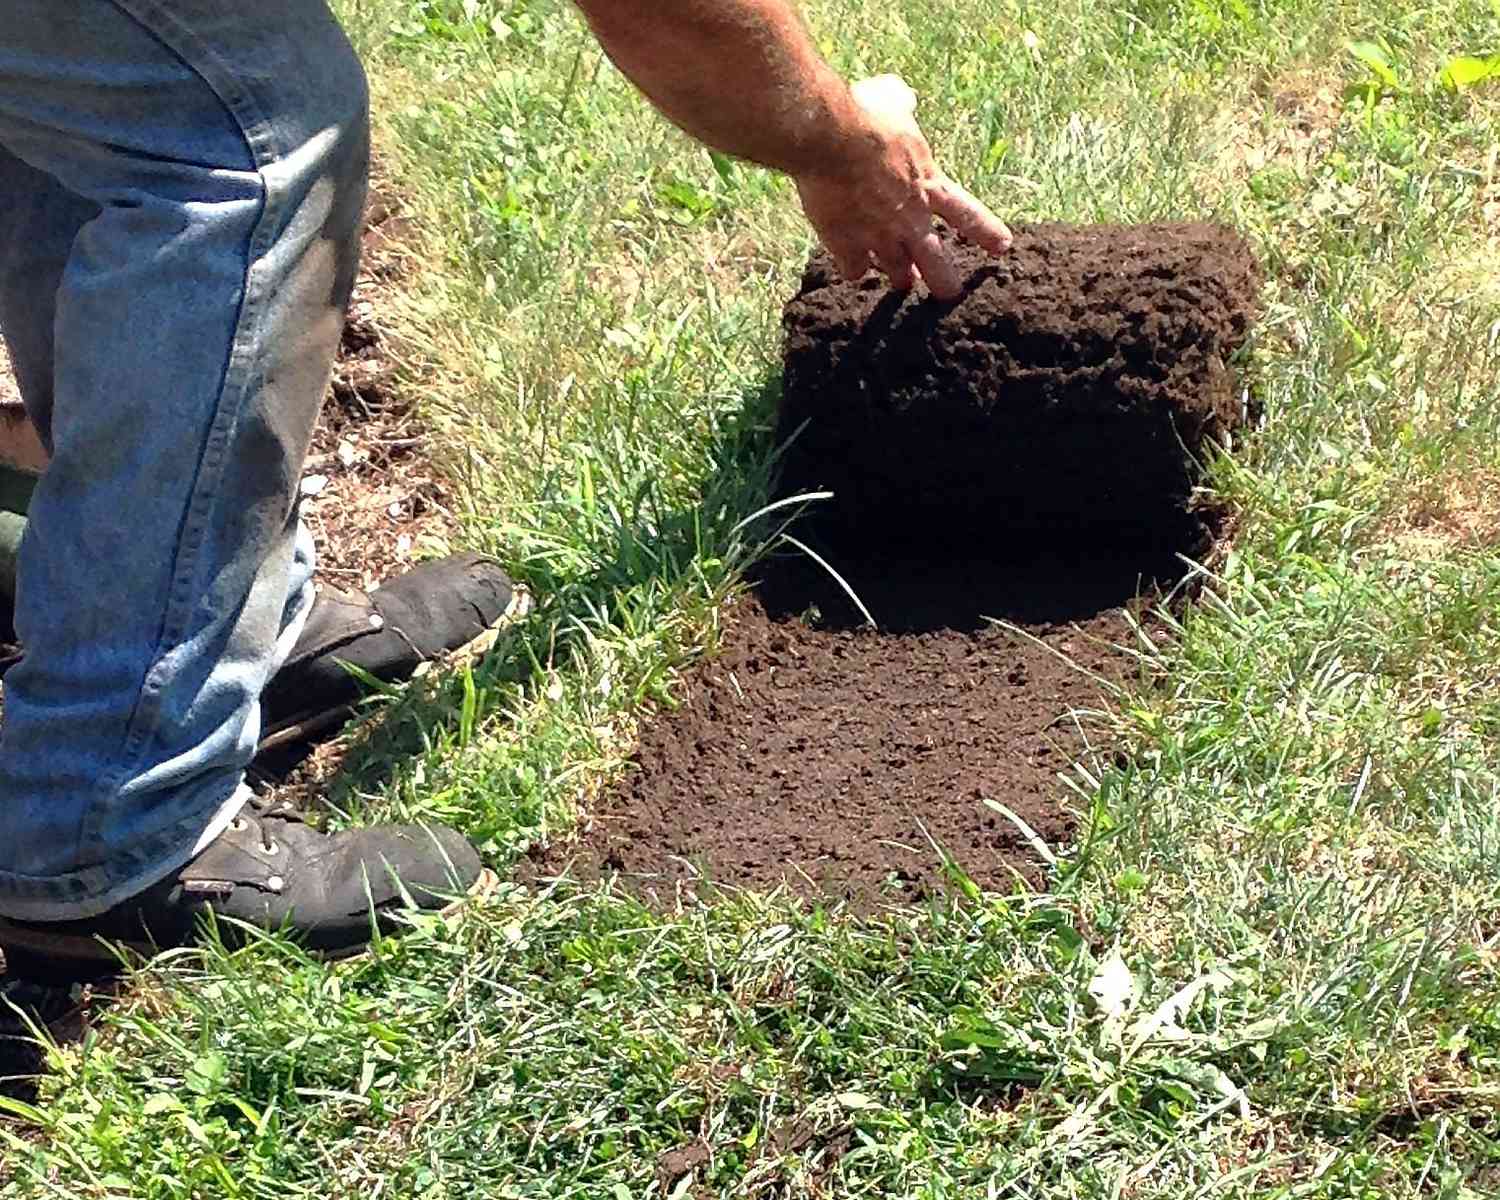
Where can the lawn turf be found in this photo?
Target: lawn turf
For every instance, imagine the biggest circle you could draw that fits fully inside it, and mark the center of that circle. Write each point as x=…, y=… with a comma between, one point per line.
x=1270, y=966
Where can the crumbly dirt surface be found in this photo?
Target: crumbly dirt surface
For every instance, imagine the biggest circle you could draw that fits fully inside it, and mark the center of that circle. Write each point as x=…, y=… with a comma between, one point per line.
x=1073, y=386
x=845, y=762
x=1014, y=474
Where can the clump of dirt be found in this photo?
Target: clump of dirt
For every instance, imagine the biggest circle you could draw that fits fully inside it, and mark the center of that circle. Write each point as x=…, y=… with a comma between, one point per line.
x=1014, y=476
x=1071, y=390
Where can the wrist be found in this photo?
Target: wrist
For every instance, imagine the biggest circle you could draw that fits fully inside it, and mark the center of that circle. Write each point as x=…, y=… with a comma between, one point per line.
x=849, y=144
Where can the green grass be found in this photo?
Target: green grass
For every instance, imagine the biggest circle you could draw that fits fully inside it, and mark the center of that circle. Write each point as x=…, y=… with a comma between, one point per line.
x=1302, y=846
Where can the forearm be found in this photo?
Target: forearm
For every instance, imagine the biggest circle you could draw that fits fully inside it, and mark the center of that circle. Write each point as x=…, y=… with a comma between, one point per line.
x=740, y=75
x=743, y=76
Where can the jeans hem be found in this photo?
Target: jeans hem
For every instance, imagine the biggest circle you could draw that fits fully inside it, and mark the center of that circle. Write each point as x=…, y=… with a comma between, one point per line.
x=91, y=891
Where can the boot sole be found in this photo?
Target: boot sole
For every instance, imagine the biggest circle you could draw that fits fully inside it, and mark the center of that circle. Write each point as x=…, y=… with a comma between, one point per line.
x=61, y=950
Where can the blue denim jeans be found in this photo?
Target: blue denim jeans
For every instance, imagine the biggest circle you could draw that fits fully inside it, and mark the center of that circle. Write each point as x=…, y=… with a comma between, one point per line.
x=181, y=185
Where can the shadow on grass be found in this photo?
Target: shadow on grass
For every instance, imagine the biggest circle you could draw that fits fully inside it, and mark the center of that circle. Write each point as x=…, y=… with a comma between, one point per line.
x=620, y=556
x=37, y=1002
x=911, y=593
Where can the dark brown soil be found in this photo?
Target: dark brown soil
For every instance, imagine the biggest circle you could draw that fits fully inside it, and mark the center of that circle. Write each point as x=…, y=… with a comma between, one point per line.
x=846, y=763
x=1073, y=387
x=1027, y=453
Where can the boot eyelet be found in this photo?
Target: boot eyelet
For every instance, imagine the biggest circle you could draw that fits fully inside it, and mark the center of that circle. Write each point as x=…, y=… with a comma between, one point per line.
x=274, y=848
x=238, y=825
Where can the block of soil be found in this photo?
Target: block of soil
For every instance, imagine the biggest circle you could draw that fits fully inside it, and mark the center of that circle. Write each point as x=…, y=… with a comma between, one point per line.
x=1071, y=390
x=1027, y=453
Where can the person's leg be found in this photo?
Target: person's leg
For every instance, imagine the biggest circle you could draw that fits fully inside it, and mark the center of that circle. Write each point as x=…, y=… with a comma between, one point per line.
x=217, y=153
x=39, y=219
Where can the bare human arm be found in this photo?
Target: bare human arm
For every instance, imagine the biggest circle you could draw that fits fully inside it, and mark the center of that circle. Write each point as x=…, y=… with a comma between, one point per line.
x=744, y=77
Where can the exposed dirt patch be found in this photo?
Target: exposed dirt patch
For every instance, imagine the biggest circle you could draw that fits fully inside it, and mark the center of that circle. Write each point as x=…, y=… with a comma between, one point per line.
x=845, y=762
x=1027, y=454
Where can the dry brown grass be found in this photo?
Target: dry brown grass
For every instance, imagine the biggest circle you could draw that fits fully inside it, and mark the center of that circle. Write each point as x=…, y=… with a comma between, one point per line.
x=1460, y=510
x=1289, y=122
x=1472, y=272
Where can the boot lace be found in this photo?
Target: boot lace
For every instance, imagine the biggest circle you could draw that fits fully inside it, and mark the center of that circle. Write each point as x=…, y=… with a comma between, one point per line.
x=265, y=810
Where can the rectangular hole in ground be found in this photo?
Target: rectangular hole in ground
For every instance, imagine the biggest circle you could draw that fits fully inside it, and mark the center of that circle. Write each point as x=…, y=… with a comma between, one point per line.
x=845, y=762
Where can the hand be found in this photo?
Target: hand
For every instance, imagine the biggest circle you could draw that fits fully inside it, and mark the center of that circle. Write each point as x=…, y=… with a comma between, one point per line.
x=877, y=206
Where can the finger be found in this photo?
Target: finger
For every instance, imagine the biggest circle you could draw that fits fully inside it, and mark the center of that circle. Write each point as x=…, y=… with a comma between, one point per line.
x=976, y=223
x=937, y=269
x=895, y=261
x=851, y=258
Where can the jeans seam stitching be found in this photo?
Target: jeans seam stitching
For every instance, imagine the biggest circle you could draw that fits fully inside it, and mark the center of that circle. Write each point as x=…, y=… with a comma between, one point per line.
x=256, y=130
